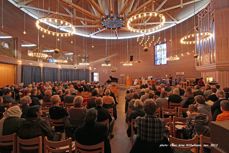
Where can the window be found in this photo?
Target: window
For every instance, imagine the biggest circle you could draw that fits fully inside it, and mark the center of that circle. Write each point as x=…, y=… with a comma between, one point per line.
x=160, y=54
x=96, y=77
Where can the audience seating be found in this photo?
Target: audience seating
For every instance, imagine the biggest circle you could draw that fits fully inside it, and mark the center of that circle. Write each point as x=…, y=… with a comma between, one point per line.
x=64, y=146
x=178, y=121
x=174, y=105
x=29, y=145
x=168, y=124
x=98, y=148
x=204, y=141
x=185, y=144
x=8, y=141
x=181, y=110
x=168, y=112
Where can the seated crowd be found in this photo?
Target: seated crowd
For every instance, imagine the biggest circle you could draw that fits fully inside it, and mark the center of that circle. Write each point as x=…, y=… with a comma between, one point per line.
x=146, y=115
x=82, y=108
x=85, y=112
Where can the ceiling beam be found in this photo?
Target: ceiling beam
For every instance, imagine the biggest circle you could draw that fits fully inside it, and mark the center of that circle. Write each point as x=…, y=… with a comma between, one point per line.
x=171, y=17
x=96, y=7
x=100, y=30
x=127, y=2
x=80, y=9
x=140, y=8
x=58, y=13
x=179, y=5
x=161, y=5
x=26, y=2
x=111, y=7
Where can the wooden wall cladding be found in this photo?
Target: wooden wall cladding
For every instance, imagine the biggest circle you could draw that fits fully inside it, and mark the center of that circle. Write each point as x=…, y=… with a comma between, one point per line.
x=7, y=74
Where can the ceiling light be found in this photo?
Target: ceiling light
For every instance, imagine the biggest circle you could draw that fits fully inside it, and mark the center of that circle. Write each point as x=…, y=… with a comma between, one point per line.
x=6, y=37
x=106, y=65
x=127, y=64
x=202, y=36
x=28, y=45
x=69, y=53
x=58, y=23
x=48, y=51
x=145, y=15
x=84, y=64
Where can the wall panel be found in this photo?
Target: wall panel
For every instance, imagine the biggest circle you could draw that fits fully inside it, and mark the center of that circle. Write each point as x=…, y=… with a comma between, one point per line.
x=7, y=74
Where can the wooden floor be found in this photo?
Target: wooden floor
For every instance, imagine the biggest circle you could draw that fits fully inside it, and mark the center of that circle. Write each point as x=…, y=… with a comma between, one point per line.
x=120, y=143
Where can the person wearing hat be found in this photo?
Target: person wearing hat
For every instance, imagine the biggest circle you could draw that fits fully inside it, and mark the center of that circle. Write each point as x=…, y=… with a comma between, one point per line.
x=11, y=121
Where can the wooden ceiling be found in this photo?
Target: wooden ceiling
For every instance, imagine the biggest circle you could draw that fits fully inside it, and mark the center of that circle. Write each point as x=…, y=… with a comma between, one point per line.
x=15, y=22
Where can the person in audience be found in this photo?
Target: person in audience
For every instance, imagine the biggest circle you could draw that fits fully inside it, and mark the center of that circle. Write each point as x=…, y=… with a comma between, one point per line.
x=213, y=96
x=196, y=123
x=151, y=132
x=11, y=121
x=144, y=97
x=207, y=94
x=102, y=113
x=137, y=111
x=93, y=97
x=162, y=101
x=7, y=97
x=61, y=94
x=92, y=133
x=188, y=98
x=68, y=98
x=47, y=96
x=197, y=90
x=108, y=102
x=25, y=103
x=77, y=114
x=34, y=126
x=224, y=116
x=56, y=112
x=215, y=108
x=202, y=106
x=34, y=97
x=175, y=96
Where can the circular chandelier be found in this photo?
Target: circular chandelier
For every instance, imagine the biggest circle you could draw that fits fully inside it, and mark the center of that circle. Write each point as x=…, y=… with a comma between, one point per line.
x=202, y=36
x=58, y=24
x=145, y=15
x=38, y=55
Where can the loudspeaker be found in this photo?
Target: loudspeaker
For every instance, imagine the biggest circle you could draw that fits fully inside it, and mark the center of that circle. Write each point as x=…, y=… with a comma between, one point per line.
x=131, y=58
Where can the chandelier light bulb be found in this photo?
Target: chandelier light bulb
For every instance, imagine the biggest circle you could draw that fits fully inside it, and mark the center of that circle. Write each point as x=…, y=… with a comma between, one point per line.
x=24, y=32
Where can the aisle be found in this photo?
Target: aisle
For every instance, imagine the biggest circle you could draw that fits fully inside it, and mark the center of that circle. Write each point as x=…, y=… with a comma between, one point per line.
x=120, y=143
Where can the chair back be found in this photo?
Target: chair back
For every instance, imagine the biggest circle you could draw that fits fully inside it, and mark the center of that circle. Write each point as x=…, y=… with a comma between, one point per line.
x=27, y=145
x=64, y=146
x=185, y=144
x=178, y=124
x=174, y=105
x=168, y=123
x=168, y=112
x=181, y=111
x=8, y=141
x=57, y=122
x=204, y=142
x=98, y=148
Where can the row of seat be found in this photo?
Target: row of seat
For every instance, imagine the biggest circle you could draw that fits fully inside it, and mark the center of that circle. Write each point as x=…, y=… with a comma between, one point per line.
x=19, y=145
